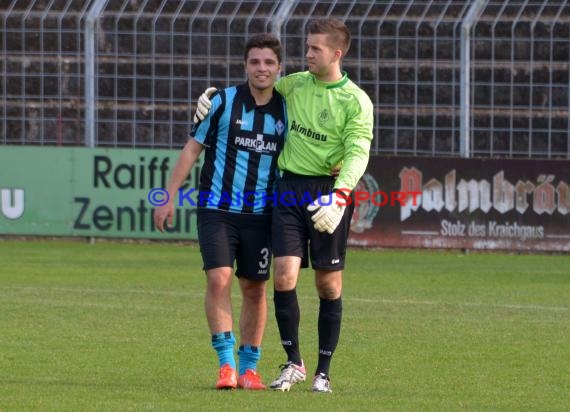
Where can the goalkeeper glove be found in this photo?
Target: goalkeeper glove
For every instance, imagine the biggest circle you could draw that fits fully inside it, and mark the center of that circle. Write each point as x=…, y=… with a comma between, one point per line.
x=204, y=104
x=329, y=211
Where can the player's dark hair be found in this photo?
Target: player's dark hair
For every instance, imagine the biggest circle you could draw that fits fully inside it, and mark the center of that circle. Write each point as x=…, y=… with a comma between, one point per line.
x=264, y=41
x=339, y=35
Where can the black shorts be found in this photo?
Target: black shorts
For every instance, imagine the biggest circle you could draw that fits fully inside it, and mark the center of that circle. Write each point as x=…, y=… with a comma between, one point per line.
x=227, y=237
x=293, y=230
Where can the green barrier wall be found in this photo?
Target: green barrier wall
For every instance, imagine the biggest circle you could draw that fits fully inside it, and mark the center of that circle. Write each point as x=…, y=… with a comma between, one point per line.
x=464, y=203
x=88, y=192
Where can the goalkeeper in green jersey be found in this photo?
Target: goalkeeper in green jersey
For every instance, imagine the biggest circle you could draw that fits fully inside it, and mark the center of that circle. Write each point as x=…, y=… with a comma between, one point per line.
x=330, y=122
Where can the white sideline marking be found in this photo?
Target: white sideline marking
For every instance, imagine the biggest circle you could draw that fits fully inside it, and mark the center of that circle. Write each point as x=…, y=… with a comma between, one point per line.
x=461, y=304
x=303, y=297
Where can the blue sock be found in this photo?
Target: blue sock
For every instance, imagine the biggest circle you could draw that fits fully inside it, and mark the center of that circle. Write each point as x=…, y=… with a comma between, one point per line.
x=248, y=357
x=223, y=343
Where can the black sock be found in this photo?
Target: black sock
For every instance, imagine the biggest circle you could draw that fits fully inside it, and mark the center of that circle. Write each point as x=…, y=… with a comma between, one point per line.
x=288, y=316
x=330, y=316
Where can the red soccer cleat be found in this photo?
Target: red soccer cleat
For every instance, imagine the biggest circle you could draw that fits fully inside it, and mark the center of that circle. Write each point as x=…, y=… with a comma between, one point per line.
x=228, y=378
x=250, y=380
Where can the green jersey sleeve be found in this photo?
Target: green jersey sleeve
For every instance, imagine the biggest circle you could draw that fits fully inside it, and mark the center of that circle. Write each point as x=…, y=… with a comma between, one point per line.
x=357, y=137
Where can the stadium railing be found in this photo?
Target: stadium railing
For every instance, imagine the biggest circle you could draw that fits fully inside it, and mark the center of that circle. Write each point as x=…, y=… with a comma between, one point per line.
x=479, y=78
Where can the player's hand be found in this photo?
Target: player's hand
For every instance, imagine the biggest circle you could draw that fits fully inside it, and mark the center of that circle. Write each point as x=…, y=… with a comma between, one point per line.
x=335, y=171
x=163, y=214
x=329, y=210
x=204, y=104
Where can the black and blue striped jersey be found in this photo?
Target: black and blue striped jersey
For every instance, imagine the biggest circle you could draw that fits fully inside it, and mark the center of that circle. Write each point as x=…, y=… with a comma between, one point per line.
x=243, y=142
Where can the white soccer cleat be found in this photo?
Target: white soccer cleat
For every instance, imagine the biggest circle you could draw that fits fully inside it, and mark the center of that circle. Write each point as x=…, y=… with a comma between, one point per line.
x=290, y=375
x=321, y=384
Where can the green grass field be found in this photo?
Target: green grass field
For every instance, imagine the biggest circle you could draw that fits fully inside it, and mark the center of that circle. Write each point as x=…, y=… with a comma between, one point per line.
x=120, y=327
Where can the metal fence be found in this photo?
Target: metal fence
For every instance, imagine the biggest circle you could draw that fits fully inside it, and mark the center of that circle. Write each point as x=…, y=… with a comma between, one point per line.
x=473, y=78
x=521, y=79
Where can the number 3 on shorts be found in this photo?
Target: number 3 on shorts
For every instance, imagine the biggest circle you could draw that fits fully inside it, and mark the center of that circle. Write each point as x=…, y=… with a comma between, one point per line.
x=264, y=262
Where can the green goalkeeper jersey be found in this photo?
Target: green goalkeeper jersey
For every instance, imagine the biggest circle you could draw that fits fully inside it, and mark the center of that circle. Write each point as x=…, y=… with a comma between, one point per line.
x=330, y=124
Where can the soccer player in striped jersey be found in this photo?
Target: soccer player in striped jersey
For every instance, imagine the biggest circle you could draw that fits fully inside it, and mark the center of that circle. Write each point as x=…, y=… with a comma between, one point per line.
x=241, y=138
x=330, y=123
